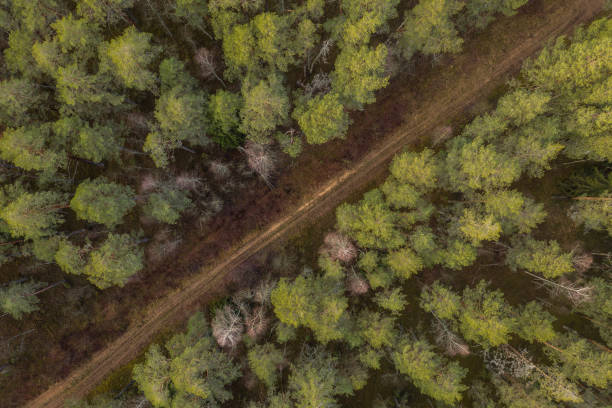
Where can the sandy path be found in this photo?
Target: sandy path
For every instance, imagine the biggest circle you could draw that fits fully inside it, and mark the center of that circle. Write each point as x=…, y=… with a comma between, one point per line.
x=468, y=86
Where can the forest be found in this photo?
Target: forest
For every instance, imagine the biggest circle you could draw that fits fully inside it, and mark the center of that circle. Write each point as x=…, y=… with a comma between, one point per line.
x=477, y=274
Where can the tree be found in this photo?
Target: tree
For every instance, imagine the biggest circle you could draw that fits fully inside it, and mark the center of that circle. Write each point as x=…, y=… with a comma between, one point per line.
x=376, y=329
x=514, y=211
x=358, y=73
x=433, y=375
x=477, y=227
x=593, y=214
x=227, y=326
x=78, y=38
x=152, y=377
x=540, y=257
x=315, y=381
x=421, y=170
x=71, y=258
x=224, y=108
x=264, y=361
x=315, y=302
x=115, y=261
x=193, y=12
x=239, y=50
x=479, y=13
x=76, y=88
x=19, y=298
x=429, y=28
x=582, y=360
x=485, y=317
x=97, y=143
x=535, y=324
x=441, y=301
x=370, y=222
x=266, y=106
x=104, y=11
x=128, y=57
x=34, y=215
x=167, y=205
x=102, y=201
x=392, y=300
x=273, y=44
x=30, y=148
x=472, y=164
x=361, y=19
x=20, y=101
x=322, y=118
x=404, y=262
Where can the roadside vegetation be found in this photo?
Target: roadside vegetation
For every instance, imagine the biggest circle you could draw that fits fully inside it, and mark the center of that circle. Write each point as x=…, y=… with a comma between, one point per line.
x=464, y=279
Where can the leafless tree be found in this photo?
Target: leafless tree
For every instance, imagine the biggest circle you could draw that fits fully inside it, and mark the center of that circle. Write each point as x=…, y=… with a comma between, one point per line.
x=219, y=170
x=227, y=326
x=320, y=84
x=188, y=181
x=339, y=247
x=257, y=322
x=148, y=183
x=505, y=361
x=322, y=55
x=357, y=285
x=451, y=343
x=583, y=262
x=261, y=160
x=205, y=59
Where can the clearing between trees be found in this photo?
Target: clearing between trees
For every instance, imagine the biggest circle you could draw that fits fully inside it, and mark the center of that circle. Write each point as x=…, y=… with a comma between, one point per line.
x=470, y=82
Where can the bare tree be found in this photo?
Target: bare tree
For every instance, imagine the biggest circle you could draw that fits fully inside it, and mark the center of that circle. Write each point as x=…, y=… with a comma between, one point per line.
x=321, y=55
x=205, y=59
x=149, y=183
x=257, y=322
x=188, y=181
x=219, y=170
x=261, y=160
x=583, y=262
x=451, y=343
x=357, y=285
x=227, y=326
x=339, y=247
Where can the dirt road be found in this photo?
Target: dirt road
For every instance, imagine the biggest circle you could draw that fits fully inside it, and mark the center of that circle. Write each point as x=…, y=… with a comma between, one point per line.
x=468, y=83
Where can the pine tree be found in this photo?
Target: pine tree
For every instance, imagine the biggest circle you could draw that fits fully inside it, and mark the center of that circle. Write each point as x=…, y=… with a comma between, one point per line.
x=34, y=215
x=322, y=118
x=264, y=361
x=540, y=257
x=18, y=299
x=102, y=201
x=115, y=261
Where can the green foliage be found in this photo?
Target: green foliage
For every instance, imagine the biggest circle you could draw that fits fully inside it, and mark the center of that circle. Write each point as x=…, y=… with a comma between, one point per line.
x=20, y=101
x=485, y=317
x=428, y=28
x=535, y=324
x=102, y=201
x=540, y=257
x=358, y=73
x=34, y=215
x=441, y=301
x=376, y=329
x=433, y=375
x=421, y=170
x=479, y=13
x=322, y=118
x=404, y=263
x=128, y=58
x=115, y=261
x=18, y=299
x=193, y=12
x=361, y=19
x=31, y=148
x=224, y=108
x=514, y=211
x=392, y=300
x=593, y=214
x=264, y=361
x=476, y=227
x=582, y=360
x=370, y=222
x=167, y=205
x=315, y=302
x=266, y=106
x=315, y=381
x=70, y=258
x=96, y=143
x=108, y=10
x=193, y=373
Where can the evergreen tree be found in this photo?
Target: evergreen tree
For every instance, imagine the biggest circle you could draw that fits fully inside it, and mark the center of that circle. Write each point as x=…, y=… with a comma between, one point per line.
x=128, y=57
x=540, y=257
x=322, y=118
x=115, y=261
x=358, y=73
x=428, y=28
x=167, y=205
x=18, y=299
x=264, y=361
x=102, y=201
x=433, y=375
x=34, y=215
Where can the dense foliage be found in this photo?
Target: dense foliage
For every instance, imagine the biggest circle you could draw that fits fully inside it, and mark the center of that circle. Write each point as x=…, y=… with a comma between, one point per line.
x=428, y=231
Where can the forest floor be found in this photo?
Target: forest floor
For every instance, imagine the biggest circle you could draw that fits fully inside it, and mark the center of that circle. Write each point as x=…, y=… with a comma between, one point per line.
x=414, y=110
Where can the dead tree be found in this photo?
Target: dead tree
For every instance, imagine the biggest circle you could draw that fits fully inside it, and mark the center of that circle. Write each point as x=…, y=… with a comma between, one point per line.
x=227, y=326
x=339, y=247
x=206, y=62
x=261, y=160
